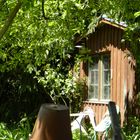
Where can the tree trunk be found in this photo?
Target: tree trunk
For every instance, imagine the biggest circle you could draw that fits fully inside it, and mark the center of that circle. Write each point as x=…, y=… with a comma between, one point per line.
x=53, y=123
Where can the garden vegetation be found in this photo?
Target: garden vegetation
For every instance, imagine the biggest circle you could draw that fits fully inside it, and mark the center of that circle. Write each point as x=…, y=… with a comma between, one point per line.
x=38, y=56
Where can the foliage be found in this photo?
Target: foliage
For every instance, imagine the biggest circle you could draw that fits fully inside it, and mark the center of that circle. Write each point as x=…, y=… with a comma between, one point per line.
x=36, y=55
x=38, y=44
x=37, y=52
x=19, y=131
x=90, y=134
x=132, y=129
x=44, y=48
x=19, y=94
x=79, y=135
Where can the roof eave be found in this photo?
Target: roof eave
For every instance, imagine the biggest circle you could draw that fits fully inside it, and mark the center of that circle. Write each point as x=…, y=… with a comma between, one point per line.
x=120, y=25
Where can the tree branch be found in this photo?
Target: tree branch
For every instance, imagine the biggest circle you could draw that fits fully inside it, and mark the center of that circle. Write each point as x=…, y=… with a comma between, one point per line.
x=43, y=11
x=9, y=20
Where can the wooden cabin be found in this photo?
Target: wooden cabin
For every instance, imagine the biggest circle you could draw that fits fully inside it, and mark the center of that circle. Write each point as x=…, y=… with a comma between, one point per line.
x=110, y=76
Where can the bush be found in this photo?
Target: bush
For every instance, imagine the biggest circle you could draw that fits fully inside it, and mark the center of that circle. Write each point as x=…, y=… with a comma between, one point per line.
x=131, y=130
x=19, y=131
x=79, y=135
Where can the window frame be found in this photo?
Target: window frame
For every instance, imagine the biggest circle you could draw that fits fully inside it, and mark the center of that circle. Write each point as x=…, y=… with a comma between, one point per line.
x=100, y=78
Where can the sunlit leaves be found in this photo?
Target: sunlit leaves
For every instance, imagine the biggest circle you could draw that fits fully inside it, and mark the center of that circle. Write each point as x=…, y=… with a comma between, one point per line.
x=137, y=14
x=44, y=47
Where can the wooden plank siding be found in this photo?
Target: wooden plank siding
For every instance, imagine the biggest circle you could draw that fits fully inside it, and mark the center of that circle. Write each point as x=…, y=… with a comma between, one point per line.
x=107, y=38
x=98, y=108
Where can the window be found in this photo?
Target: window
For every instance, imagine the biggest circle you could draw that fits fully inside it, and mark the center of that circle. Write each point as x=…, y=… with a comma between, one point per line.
x=99, y=78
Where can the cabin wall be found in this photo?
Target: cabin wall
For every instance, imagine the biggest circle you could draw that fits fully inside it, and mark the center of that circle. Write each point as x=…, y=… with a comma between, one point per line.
x=107, y=38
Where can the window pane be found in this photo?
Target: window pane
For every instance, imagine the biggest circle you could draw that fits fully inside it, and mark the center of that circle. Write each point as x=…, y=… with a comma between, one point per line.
x=106, y=62
x=94, y=77
x=93, y=80
x=106, y=94
x=91, y=89
x=106, y=77
x=99, y=77
x=93, y=92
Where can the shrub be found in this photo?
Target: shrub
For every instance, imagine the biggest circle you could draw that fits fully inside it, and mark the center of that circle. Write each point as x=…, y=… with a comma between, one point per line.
x=76, y=135
x=131, y=130
x=19, y=131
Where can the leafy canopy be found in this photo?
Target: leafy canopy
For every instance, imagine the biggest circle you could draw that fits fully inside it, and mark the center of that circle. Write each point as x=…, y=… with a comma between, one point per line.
x=40, y=37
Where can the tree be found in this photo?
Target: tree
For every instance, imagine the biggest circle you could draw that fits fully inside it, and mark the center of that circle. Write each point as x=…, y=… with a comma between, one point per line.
x=39, y=39
x=10, y=19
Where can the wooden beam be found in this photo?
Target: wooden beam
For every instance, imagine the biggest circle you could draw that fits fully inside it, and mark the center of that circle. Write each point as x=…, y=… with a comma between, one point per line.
x=112, y=24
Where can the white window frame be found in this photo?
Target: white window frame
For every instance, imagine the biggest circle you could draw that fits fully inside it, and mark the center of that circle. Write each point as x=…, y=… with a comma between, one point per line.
x=100, y=90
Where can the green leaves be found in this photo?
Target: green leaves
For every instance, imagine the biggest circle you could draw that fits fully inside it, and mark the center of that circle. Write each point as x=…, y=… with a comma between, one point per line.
x=137, y=14
x=131, y=130
x=44, y=48
x=20, y=132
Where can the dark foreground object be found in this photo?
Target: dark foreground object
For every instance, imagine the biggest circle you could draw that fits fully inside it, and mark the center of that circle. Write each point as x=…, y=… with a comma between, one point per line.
x=53, y=123
x=115, y=121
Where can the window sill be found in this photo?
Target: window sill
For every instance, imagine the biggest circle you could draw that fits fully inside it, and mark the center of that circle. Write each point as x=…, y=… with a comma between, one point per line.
x=97, y=101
